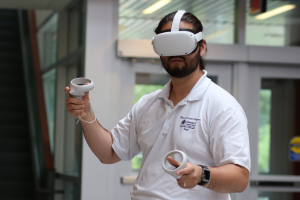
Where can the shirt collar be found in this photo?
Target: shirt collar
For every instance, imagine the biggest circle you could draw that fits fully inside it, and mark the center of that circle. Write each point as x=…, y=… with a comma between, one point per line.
x=196, y=93
x=199, y=88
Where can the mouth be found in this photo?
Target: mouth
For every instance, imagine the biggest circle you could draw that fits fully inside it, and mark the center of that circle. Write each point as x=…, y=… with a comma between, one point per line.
x=176, y=59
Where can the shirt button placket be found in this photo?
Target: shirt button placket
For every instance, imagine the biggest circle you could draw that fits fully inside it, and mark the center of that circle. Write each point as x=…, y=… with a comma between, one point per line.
x=167, y=123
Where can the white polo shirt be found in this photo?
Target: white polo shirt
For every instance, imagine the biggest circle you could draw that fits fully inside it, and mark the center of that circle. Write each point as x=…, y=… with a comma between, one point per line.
x=208, y=125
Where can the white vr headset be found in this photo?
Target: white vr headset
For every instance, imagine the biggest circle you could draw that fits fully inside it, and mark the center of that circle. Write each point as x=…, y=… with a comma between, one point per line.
x=176, y=43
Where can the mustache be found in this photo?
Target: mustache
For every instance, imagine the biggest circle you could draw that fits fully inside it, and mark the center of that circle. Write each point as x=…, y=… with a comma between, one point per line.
x=181, y=57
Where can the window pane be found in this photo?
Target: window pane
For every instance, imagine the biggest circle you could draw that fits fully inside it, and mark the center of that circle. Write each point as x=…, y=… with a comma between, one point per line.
x=47, y=39
x=49, y=94
x=213, y=79
x=71, y=190
x=139, y=91
x=73, y=133
x=264, y=131
x=278, y=195
x=281, y=29
x=279, y=124
x=75, y=27
x=217, y=17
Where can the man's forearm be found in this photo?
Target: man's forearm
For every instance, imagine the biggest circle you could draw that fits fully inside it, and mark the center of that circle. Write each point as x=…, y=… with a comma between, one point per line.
x=99, y=140
x=228, y=178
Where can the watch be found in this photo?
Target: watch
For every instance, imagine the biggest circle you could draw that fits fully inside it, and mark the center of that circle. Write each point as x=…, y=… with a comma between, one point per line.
x=205, y=178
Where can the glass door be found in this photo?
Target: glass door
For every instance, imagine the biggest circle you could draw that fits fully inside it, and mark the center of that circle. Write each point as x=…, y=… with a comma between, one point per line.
x=274, y=131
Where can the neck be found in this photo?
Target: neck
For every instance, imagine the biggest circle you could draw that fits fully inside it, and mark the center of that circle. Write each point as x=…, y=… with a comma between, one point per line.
x=181, y=87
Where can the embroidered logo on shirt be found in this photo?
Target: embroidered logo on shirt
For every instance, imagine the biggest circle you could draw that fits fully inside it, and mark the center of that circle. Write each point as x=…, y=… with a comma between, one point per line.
x=188, y=123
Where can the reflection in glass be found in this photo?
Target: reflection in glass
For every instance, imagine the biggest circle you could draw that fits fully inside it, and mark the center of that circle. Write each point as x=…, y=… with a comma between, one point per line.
x=71, y=190
x=279, y=123
x=73, y=134
x=49, y=79
x=281, y=29
x=264, y=131
x=213, y=79
x=216, y=16
x=137, y=162
x=139, y=91
x=278, y=196
x=75, y=27
x=47, y=39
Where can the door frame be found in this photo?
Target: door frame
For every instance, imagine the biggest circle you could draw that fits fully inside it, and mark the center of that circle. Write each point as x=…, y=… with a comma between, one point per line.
x=252, y=75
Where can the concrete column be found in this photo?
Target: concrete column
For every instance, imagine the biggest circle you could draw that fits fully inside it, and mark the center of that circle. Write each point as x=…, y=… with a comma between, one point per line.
x=292, y=37
x=112, y=97
x=240, y=22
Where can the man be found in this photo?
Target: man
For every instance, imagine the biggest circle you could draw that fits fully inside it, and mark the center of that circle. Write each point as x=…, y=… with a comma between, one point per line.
x=216, y=139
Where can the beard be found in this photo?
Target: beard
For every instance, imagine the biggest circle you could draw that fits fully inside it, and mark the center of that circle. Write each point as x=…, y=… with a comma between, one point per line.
x=189, y=66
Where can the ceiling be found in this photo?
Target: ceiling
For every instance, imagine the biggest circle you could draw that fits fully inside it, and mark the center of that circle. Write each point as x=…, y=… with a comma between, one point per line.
x=35, y=4
x=217, y=17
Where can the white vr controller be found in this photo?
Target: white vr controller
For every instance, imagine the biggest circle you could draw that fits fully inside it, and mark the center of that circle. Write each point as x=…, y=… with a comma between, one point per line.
x=173, y=172
x=78, y=87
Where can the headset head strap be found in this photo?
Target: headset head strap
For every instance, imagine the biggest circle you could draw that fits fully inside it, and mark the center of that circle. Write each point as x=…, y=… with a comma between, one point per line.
x=176, y=20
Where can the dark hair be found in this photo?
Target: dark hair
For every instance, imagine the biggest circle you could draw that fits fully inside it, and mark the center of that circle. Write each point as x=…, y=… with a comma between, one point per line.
x=189, y=18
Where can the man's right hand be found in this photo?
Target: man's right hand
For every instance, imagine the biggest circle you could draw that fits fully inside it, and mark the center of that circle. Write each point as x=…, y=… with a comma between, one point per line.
x=82, y=107
x=99, y=139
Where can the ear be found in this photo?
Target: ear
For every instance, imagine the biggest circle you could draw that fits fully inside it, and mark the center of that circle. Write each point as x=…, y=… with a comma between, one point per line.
x=202, y=47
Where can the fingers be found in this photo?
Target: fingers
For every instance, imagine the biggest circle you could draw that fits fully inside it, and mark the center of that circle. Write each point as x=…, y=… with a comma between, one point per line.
x=72, y=106
x=67, y=90
x=86, y=96
x=73, y=100
x=173, y=162
x=185, y=185
x=187, y=181
x=75, y=106
x=185, y=171
x=191, y=175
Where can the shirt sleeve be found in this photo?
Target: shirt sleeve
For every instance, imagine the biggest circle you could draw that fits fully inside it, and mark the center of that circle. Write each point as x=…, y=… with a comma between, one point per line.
x=125, y=136
x=229, y=141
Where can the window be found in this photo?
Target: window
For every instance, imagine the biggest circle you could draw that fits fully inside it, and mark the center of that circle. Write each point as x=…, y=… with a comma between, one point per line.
x=279, y=29
x=264, y=131
x=47, y=40
x=49, y=79
x=217, y=18
x=139, y=91
x=278, y=126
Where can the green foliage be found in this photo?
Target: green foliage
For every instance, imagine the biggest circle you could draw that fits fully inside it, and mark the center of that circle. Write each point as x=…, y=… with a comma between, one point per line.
x=137, y=162
x=264, y=131
x=264, y=149
x=139, y=91
x=265, y=107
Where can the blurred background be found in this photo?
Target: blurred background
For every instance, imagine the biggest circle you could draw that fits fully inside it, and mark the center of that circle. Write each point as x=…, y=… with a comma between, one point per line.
x=253, y=53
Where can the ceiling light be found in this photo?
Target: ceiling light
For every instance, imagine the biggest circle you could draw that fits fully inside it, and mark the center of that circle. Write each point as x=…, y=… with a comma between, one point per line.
x=159, y=4
x=274, y=12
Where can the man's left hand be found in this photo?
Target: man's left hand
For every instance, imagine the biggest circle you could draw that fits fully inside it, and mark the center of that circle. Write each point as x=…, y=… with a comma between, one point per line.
x=191, y=174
